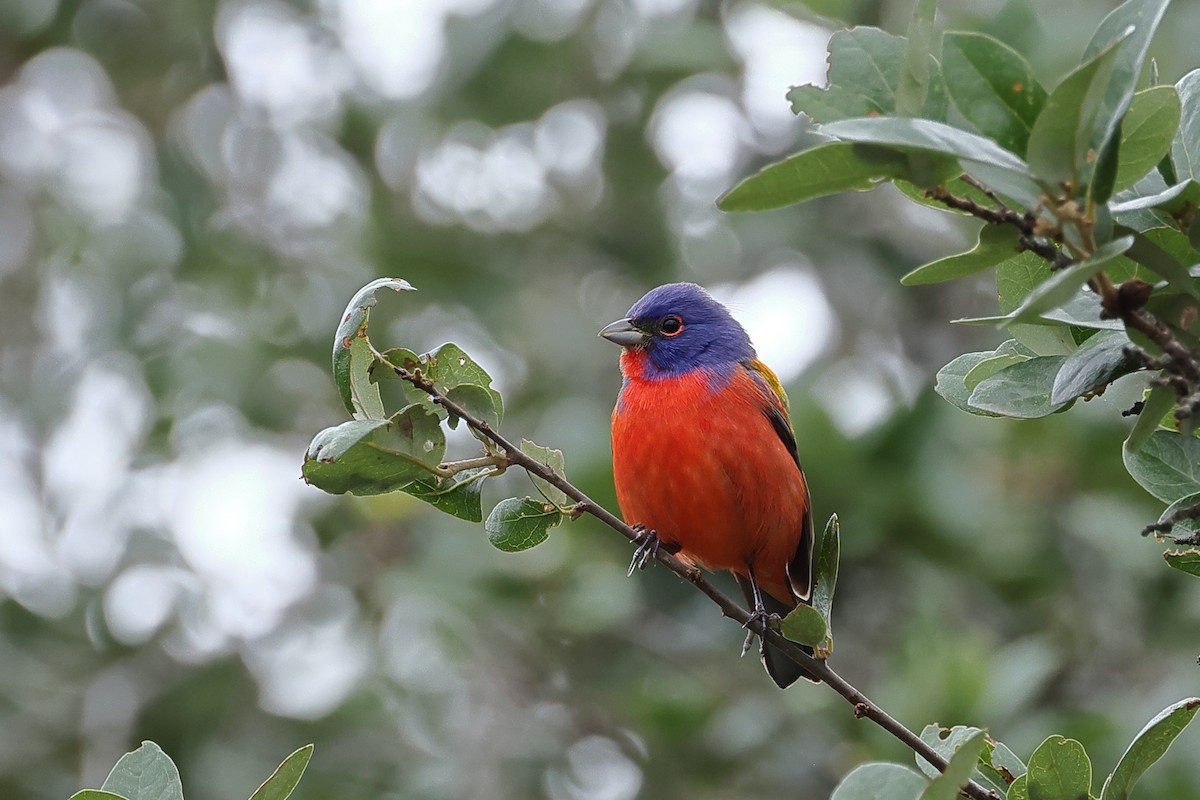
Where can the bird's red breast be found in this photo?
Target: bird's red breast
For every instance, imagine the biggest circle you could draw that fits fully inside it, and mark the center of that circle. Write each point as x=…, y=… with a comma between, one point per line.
x=697, y=459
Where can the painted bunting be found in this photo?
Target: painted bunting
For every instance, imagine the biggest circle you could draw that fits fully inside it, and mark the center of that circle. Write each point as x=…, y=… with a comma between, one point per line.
x=704, y=456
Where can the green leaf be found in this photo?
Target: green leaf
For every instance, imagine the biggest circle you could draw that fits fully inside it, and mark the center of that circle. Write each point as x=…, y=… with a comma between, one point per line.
x=1156, y=403
x=1021, y=391
x=457, y=495
x=823, y=170
x=553, y=459
x=877, y=780
x=999, y=766
x=993, y=87
x=375, y=456
x=1148, y=747
x=1098, y=362
x=865, y=65
x=480, y=402
x=958, y=771
x=518, y=524
x=1002, y=170
x=1127, y=30
x=1147, y=251
x=1059, y=769
x=364, y=393
x=1184, y=560
x=996, y=243
x=1060, y=144
x=1063, y=284
x=805, y=625
x=944, y=741
x=828, y=556
x=347, y=364
x=990, y=366
x=1185, y=150
x=1151, y=193
x=1147, y=132
x=285, y=777
x=913, y=86
x=145, y=774
x=949, y=383
x=1167, y=465
x=1019, y=790
x=96, y=794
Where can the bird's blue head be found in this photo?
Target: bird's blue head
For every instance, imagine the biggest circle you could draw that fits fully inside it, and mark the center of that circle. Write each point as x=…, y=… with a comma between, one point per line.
x=680, y=327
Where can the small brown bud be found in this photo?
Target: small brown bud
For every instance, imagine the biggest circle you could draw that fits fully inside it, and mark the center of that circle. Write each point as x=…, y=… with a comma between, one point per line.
x=1133, y=294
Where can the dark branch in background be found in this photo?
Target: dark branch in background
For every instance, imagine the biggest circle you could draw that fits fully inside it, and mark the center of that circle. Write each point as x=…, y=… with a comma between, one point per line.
x=863, y=706
x=1125, y=302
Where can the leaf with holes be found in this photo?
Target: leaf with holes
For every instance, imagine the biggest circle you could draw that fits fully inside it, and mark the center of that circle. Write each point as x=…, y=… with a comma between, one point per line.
x=865, y=65
x=958, y=770
x=1184, y=560
x=553, y=459
x=349, y=366
x=375, y=456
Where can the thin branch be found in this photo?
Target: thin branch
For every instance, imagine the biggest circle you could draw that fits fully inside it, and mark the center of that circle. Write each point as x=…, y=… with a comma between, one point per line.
x=863, y=706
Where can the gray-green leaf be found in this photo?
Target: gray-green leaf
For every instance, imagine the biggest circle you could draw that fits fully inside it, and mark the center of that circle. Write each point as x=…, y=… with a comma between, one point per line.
x=996, y=243
x=1148, y=747
x=145, y=774
x=345, y=355
x=1059, y=769
x=879, y=780
x=285, y=777
x=517, y=524
x=1167, y=465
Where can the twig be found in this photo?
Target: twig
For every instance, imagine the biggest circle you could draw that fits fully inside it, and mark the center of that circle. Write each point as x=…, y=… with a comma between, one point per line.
x=863, y=706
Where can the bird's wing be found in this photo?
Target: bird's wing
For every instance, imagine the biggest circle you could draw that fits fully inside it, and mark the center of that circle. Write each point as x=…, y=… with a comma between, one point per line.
x=799, y=569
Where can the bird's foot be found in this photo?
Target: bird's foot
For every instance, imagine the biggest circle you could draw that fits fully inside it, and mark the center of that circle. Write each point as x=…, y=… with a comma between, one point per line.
x=768, y=620
x=648, y=546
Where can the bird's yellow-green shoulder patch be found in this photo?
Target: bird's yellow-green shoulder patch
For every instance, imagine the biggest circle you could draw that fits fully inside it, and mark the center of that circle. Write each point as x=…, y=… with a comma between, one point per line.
x=765, y=372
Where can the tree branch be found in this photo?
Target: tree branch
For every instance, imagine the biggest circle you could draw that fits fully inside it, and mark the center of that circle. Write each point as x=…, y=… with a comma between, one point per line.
x=863, y=706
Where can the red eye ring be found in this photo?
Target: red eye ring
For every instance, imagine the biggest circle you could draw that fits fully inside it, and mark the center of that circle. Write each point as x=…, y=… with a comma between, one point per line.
x=671, y=325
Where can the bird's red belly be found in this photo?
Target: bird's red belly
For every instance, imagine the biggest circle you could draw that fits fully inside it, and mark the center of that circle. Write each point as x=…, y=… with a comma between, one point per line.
x=706, y=470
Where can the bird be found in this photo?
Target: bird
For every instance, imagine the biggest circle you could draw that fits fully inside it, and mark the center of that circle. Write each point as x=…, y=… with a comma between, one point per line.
x=705, y=463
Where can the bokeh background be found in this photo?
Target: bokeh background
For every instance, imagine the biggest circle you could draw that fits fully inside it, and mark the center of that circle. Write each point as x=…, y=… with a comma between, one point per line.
x=189, y=193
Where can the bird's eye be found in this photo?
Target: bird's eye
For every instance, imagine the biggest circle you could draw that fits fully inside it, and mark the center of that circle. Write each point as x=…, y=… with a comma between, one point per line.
x=671, y=325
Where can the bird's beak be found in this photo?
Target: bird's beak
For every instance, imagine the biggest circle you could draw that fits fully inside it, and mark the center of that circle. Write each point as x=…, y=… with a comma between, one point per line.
x=624, y=333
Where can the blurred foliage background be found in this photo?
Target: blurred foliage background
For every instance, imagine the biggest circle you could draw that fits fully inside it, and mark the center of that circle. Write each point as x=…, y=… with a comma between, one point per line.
x=190, y=192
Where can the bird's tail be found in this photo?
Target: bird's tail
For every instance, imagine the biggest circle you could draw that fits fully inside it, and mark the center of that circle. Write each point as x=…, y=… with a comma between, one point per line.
x=782, y=669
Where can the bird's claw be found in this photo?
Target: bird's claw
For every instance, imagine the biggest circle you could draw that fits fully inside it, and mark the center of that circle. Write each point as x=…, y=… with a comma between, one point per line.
x=759, y=615
x=647, y=550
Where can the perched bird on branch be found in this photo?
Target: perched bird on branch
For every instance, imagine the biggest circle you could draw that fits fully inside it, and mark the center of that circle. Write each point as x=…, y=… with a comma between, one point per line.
x=704, y=456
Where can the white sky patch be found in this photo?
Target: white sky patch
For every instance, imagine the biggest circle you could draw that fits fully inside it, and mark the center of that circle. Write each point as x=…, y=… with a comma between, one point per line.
x=856, y=396
x=141, y=600
x=232, y=510
x=779, y=51
x=787, y=316
x=277, y=63
x=315, y=186
x=308, y=667
x=697, y=134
